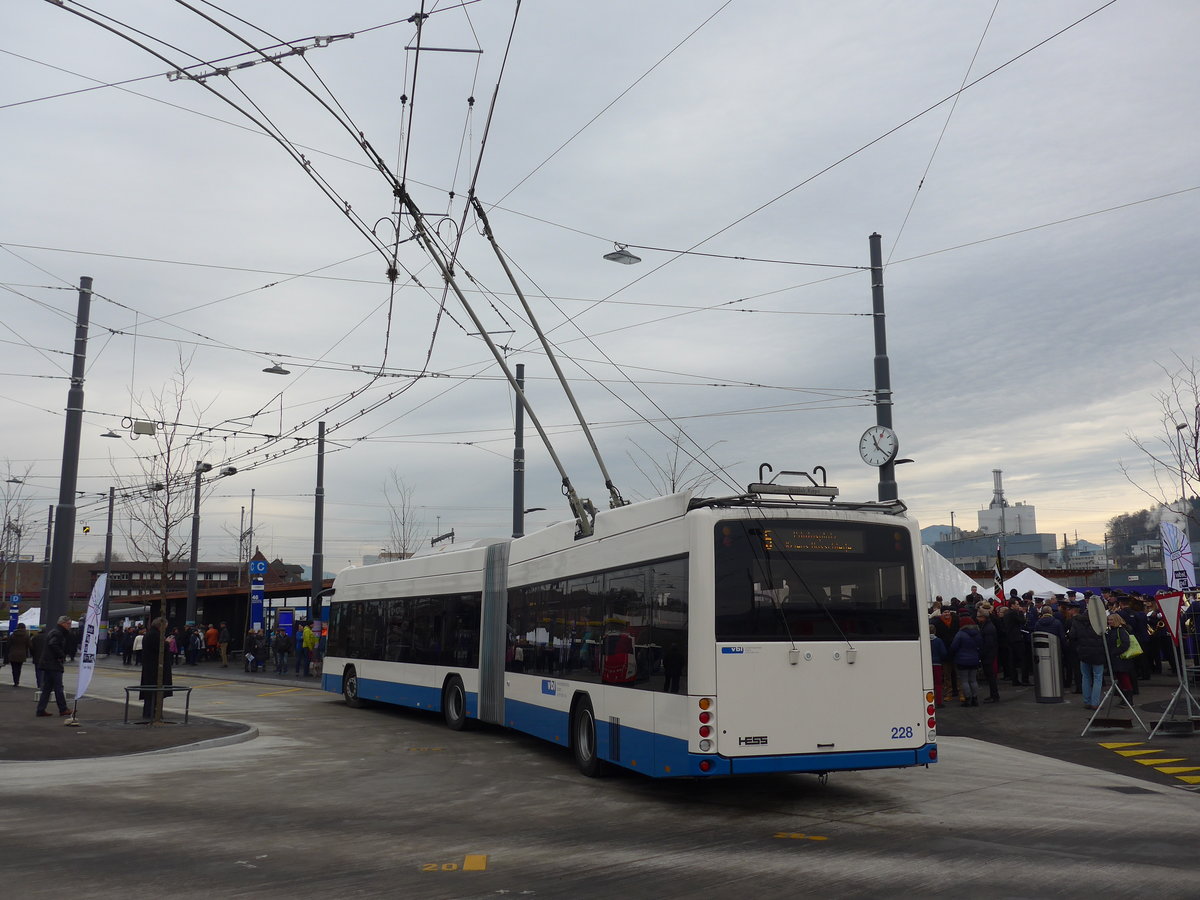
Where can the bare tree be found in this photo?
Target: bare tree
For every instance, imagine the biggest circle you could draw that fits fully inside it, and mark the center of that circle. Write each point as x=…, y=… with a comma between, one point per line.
x=14, y=522
x=405, y=532
x=157, y=501
x=1174, y=452
x=676, y=469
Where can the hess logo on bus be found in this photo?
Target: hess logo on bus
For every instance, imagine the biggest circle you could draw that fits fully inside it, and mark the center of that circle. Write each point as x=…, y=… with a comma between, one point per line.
x=756, y=741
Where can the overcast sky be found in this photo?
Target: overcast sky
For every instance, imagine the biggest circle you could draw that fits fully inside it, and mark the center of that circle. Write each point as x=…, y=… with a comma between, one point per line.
x=1039, y=233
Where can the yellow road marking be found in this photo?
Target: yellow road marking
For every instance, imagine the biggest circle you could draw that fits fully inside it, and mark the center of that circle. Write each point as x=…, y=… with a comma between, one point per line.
x=285, y=691
x=1119, y=746
x=1137, y=752
x=475, y=862
x=1155, y=762
x=1190, y=779
x=198, y=687
x=799, y=836
x=1176, y=770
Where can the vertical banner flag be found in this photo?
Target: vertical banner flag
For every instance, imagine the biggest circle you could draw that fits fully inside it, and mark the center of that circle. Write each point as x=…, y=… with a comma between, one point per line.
x=999, y=578
x=91, y=633
x=14, y=613
x=1177, y=557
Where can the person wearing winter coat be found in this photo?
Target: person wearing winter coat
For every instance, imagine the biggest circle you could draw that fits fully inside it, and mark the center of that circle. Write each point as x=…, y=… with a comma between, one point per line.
x=18, y=651
x=945, y=626
x=938, y=653
x=282, y=647
x=989, y=649
x=965, y=650
x=1118, y=642
x=1016, y=636
x=51, y=663
x=1089, y=650
x=1047, y=623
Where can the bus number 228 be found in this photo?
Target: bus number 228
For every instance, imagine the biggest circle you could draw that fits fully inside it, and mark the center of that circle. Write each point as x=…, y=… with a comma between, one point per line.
x=899, y=732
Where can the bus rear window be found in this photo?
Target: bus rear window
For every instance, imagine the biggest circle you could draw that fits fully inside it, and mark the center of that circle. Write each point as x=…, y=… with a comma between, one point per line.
x=781, y=579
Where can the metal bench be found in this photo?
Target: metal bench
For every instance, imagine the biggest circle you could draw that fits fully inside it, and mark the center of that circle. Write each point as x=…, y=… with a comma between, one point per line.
x=153, y=689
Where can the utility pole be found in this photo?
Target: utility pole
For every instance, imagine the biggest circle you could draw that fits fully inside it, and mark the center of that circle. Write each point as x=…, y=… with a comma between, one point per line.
x=519, y=460
x=55, y=604
x=318, y=561
x=108, y=536
x=46, y=559
x=883, y=380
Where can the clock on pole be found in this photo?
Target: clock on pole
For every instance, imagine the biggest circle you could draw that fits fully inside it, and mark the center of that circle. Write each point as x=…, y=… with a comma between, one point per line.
x=878, y=445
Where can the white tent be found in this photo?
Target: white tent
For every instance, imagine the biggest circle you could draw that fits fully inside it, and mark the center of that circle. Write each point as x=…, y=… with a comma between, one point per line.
x=945, y=579
x=1032, y=580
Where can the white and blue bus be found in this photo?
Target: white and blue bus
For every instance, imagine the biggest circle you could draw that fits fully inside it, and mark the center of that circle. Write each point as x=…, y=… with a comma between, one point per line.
x=684, y=637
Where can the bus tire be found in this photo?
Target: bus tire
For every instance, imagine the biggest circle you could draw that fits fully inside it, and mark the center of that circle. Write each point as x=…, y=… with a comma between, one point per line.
x=350, y=689
x=583, y=739
x=454, y=704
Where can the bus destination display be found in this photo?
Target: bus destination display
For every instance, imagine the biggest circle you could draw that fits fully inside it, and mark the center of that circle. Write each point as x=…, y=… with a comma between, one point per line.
x=813, y=540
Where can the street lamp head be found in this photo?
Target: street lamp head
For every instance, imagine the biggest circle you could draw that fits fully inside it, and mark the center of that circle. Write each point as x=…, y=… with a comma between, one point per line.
x=276, y=369
x=622, y=255
x=13, y=479
x=202, y=467
x=1181, y=427
x=228, y=470
x=110, y=434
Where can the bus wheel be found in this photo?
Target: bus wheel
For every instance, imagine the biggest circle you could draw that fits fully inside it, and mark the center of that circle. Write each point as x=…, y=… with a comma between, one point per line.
x=350, y=689
x=583, y=739
x=454, y=704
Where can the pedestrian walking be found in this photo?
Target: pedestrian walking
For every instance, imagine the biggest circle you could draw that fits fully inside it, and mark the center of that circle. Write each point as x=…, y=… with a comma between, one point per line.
x=18, y=651
x=51, y=664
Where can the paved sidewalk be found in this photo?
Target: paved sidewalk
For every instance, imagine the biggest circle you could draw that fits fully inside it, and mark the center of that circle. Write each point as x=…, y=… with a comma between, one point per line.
x=1054, y=729
x=101, y=730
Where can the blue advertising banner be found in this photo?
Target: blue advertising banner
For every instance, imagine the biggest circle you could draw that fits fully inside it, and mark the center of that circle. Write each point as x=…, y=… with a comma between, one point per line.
x=256, y=602
x=14, y=613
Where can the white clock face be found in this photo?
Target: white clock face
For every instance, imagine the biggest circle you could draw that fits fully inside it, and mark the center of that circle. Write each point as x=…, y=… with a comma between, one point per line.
x=878, y=445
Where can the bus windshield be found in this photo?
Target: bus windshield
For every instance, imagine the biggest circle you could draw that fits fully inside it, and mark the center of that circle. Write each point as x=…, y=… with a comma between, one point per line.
x=804, y=580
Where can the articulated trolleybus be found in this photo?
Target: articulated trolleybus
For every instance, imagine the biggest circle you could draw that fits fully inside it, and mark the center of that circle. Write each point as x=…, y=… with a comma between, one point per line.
x=683, y=637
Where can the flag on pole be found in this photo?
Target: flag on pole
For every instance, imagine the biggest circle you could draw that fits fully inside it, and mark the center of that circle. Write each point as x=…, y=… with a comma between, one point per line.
x=998, y=590
x=91, y=633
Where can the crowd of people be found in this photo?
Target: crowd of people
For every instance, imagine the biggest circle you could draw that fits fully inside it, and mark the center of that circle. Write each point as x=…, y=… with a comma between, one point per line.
x=193, y=644
x=976, y=642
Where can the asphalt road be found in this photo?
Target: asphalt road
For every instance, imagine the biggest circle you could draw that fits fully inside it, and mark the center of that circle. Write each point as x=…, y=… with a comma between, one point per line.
x=334, y=802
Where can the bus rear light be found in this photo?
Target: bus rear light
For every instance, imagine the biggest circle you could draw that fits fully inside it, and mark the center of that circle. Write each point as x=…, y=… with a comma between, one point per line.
x=706, y=717
x=930, y=708
x=929, y=698
x=705, y=703
x=706, y=765
x=933, y=754
x=932, y=722
x=705, y=746
x=705, y=730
